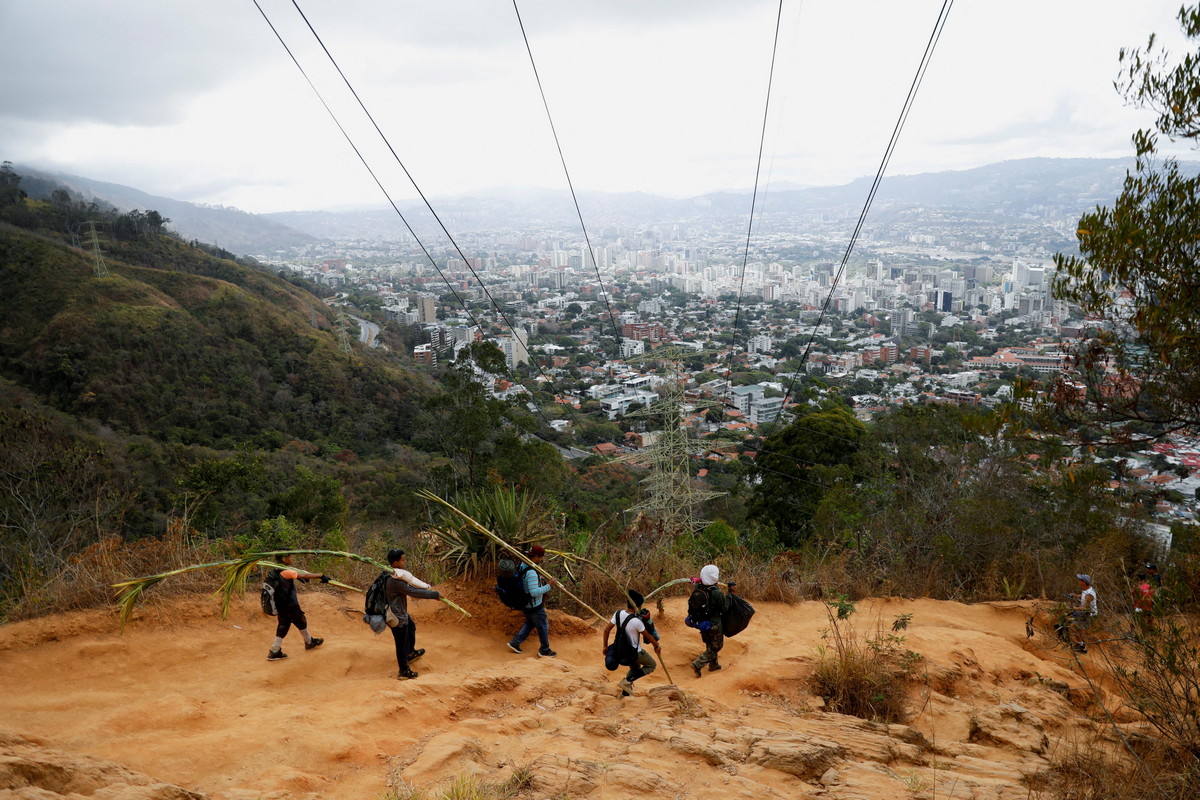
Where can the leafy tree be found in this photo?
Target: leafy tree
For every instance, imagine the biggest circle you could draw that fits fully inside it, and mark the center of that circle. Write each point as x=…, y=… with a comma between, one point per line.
x=1138, y=272
x=794, y=463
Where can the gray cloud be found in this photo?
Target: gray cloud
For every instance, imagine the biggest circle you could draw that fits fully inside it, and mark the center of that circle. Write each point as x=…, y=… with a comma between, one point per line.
x=128, y=63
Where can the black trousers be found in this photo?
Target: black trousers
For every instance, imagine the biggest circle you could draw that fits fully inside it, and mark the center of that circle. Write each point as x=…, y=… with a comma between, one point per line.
x=406, y=641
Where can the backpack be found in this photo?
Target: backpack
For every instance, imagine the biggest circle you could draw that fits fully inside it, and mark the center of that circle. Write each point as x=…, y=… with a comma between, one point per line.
x=621, y=653
x=737, y=616
x=272, y=593
x=699, y=604
x=510, y=584
x=376, y=601
x=375, y=607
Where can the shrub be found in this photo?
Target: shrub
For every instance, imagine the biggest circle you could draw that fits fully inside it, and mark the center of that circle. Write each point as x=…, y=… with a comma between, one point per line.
x=863, y=677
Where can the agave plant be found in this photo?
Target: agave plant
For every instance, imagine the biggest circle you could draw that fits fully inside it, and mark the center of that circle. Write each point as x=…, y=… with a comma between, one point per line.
x=515, y=516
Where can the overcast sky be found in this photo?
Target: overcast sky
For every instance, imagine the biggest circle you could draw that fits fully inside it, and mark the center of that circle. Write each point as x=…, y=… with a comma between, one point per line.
x=199, y=101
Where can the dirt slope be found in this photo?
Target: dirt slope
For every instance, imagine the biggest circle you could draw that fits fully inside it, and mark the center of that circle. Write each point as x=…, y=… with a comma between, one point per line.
x=190, y=699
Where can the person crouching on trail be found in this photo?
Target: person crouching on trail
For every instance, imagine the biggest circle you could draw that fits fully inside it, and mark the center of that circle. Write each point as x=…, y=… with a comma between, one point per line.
x=402, y=585
x=706, y=606
x=633, y=624
x=535, y=611
x=287, y=603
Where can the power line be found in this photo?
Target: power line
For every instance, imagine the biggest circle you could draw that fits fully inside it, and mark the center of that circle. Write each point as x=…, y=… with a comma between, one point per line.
x=363, y=159
x=934, y=36
x=762, y=138
x=570, y=183
x=378, y=183
x=424, y=199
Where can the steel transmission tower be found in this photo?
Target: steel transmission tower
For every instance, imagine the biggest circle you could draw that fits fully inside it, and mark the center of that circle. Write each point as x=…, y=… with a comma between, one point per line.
x=99, y=268
x=673, y=500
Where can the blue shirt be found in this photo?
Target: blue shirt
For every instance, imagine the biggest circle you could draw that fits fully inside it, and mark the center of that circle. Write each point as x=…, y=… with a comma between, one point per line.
x=534, y=588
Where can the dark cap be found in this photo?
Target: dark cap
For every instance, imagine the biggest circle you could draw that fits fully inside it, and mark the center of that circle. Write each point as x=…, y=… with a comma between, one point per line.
x=537, y=550
x=394, y=555
x=1152, y=566
x=635, y=598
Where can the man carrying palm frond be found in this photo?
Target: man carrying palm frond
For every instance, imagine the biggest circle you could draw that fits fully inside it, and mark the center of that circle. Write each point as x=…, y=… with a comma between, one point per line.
x=287, y=606
x=400, y=586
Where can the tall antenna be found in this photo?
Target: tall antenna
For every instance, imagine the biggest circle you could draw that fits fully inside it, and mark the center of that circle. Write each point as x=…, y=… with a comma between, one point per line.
x=99, y=268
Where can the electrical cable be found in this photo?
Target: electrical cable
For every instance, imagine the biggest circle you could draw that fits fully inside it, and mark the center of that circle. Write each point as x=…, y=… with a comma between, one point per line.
x=408, y=174
x=363, y=159
x=570, y=183
x=762, y=138
x=424, y=199
x=918, y=78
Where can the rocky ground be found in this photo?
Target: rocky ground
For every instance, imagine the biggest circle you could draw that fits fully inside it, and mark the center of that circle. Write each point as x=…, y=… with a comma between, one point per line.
x=190, y=699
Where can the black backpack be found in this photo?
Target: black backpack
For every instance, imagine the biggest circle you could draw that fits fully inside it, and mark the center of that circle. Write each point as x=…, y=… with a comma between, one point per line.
x=510, y=584
x=376, y=602
x=737, y=616
x=272, y=593
x=621, y=653
x=699, y=604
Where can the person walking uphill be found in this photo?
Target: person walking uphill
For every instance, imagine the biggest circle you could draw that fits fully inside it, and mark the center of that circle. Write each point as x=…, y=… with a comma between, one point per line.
x=287, y=606
x=636, y=627
x=706, y=606
x=535, y=609
x=401, y=585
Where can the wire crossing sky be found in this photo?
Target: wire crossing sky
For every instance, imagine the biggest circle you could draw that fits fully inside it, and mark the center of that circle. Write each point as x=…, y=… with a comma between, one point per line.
x=192, y=101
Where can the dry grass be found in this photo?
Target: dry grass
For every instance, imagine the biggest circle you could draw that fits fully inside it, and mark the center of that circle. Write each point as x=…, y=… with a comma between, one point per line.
x=863, y=676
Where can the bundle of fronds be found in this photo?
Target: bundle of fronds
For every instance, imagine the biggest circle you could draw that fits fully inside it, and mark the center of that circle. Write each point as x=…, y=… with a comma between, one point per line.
x=237, y=572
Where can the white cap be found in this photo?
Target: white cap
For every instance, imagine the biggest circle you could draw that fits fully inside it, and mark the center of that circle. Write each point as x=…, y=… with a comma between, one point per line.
x=710, y=575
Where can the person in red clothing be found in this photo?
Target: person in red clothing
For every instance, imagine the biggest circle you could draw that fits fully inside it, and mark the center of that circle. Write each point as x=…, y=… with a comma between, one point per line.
x=287, y=604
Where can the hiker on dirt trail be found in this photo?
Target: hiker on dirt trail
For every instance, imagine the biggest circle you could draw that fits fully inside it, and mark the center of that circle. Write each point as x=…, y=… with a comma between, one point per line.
x=287, y=604
x=632, y=624
x=1081, y=615
x=535, y=610
x=401, y=585
x=706, y=606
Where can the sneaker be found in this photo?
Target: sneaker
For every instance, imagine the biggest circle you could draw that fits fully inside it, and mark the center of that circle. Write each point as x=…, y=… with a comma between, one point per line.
x=313, y=643
x=516, y=648
x=405, y=675
x=626, y=687
x=696, y=669
x=713, y=667
x=1081, y=648
x=546, y=654
x=276, y=655
x=415, y=654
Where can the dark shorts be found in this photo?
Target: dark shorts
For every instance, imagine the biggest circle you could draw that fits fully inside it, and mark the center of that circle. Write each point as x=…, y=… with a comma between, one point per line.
x=289, y=618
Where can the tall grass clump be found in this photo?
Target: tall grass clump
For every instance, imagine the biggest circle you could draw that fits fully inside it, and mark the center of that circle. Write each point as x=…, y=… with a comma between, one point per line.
x=863, y=676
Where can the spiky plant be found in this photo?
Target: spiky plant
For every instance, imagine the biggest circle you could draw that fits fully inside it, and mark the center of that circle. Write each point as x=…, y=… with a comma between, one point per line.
x=516, y=516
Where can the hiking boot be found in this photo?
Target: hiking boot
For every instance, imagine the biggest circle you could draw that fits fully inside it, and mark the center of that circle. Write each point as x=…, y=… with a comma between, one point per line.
x=696, y=669
x=276, y=655
x=546, y=653
x=405, y=675
x=713, y=667
x=415, y=654
x=516, y=648
x=1081, y=648
x=626, y=687
x=313, y=643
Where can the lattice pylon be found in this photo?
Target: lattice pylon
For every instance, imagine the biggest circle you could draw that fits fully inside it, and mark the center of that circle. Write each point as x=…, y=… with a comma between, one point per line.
x=99, y=268
x=673, y=500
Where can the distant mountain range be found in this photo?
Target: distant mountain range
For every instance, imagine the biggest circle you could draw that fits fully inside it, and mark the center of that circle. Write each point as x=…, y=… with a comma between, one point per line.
x=230, y=228
x=1045, y=187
